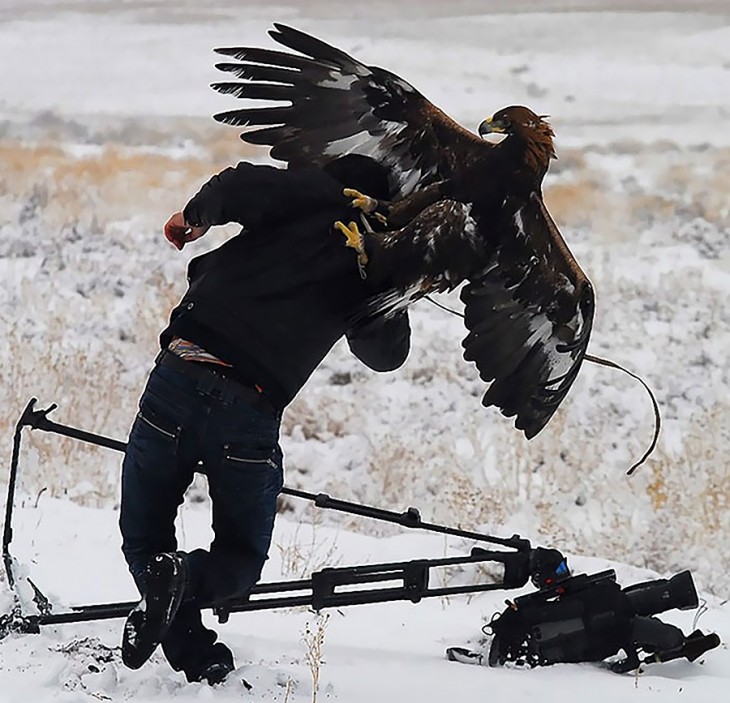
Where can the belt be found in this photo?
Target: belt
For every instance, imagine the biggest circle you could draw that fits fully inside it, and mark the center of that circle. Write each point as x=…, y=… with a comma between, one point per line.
x=214, y=381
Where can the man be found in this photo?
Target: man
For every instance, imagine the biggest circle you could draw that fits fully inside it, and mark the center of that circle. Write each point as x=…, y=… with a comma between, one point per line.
x=260, y=314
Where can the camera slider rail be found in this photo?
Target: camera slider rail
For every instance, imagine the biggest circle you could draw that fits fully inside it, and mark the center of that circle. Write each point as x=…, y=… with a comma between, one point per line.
x=406, y=580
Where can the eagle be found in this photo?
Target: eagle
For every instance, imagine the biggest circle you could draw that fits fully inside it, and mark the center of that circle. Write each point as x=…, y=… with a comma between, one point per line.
x=465, y=210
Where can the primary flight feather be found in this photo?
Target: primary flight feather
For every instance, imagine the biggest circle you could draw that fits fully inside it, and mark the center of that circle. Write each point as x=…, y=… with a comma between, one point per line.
x=464, y=209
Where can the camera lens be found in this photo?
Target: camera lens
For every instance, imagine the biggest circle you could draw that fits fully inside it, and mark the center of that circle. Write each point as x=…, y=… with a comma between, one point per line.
x=652, y=597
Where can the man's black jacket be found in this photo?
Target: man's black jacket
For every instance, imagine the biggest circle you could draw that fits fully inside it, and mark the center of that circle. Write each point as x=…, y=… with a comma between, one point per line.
x=274, y=299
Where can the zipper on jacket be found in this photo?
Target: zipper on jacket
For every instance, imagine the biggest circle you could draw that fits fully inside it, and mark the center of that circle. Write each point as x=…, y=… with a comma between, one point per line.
x=271, y=463
x=157, y=427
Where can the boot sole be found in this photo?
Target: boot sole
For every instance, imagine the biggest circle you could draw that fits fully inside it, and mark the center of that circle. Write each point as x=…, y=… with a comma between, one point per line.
x=148, y=623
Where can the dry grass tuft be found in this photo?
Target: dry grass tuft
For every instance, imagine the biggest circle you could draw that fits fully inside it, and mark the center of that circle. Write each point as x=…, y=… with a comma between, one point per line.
x=575, y=204
x=112, y=182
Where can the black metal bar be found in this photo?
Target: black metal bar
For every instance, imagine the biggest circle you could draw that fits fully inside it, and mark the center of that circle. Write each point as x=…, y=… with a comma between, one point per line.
x=321, y=587
x=412, y=575
x=38, y=420
x=115, y=610
x=10, y=501
x=110, y=611
x=410, y=518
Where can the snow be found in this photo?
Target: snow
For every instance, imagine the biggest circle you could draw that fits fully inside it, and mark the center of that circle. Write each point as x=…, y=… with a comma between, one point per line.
x=388, y=652
x=597, y=71
x=638, y=94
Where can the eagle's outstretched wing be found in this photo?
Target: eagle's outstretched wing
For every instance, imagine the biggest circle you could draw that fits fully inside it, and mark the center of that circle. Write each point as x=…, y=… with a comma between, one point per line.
x=529, y=316
x=341, y=106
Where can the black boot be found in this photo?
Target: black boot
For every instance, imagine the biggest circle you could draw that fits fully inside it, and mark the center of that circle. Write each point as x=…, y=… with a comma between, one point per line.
x=213, y=668
x=147, y=624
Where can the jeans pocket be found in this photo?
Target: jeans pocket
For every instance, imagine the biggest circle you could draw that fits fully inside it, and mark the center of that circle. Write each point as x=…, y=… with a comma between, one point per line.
x=153, y=419
x=243, y=455
x=259, y=468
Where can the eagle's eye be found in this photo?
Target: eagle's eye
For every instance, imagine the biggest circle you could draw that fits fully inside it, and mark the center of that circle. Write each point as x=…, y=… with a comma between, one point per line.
x=502, y=123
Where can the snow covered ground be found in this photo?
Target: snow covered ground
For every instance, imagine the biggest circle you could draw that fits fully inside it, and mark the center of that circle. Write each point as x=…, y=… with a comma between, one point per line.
x=390, y=652
x=105, y=130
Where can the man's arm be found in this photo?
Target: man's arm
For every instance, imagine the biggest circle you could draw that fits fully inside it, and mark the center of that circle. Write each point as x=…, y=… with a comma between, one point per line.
x=381, y=343
x=252, y=195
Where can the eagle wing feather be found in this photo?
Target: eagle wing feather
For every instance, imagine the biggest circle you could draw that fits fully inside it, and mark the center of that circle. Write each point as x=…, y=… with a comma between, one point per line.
x=338, y=105
x=529, y=314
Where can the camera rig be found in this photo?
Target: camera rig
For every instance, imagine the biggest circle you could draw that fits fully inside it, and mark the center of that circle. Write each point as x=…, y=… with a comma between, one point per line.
x=591, y=618
x=569, y=619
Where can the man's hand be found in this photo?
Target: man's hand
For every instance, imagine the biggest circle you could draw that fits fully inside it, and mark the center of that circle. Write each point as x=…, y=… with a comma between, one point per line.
x=180, y=233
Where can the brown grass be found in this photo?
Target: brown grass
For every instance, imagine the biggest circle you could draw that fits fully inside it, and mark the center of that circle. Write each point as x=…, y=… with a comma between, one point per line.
x=123, y=182
x=689, y=183
x=115, y=180
x=575, y=204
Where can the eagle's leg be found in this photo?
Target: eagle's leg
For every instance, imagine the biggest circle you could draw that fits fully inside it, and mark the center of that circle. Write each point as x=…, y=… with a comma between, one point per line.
x=355, y=241
x=368, y=205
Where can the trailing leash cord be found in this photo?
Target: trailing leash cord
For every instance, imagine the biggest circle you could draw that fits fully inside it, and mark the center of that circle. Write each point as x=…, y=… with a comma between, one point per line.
x=657, y=414
x=443, y=307
x=611, y=365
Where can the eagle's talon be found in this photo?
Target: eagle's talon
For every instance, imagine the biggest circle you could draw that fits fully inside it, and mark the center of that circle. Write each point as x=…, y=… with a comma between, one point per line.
x=355, y=241
x=352, y=234
x=360, y=200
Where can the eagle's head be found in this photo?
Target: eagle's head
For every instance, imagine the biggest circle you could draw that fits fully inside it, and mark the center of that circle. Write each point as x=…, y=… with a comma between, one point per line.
x=523, y=125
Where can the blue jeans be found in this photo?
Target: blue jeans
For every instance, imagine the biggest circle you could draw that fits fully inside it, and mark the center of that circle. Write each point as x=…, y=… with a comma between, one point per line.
x=184, y=426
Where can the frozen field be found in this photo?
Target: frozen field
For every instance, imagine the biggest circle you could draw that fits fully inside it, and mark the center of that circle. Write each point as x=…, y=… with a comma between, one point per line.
x=105, y=130
x=602, y=75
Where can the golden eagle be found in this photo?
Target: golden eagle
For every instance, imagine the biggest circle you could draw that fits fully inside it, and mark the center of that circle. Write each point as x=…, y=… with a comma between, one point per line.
x=478, y=206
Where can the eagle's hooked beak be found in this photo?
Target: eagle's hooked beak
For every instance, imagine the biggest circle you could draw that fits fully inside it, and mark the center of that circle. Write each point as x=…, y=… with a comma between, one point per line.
x=491, y=126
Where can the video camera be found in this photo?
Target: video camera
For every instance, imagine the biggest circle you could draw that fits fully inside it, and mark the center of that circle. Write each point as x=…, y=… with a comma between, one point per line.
x=591, y=618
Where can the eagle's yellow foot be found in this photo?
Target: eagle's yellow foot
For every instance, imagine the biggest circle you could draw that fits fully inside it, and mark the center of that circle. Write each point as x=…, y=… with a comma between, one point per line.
x=355, y=241
x=360, y=200
x=365, y=203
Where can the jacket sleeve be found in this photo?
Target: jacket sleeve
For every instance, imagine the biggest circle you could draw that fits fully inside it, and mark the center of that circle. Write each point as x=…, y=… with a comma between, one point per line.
x=253, y=195
x=381, y=343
